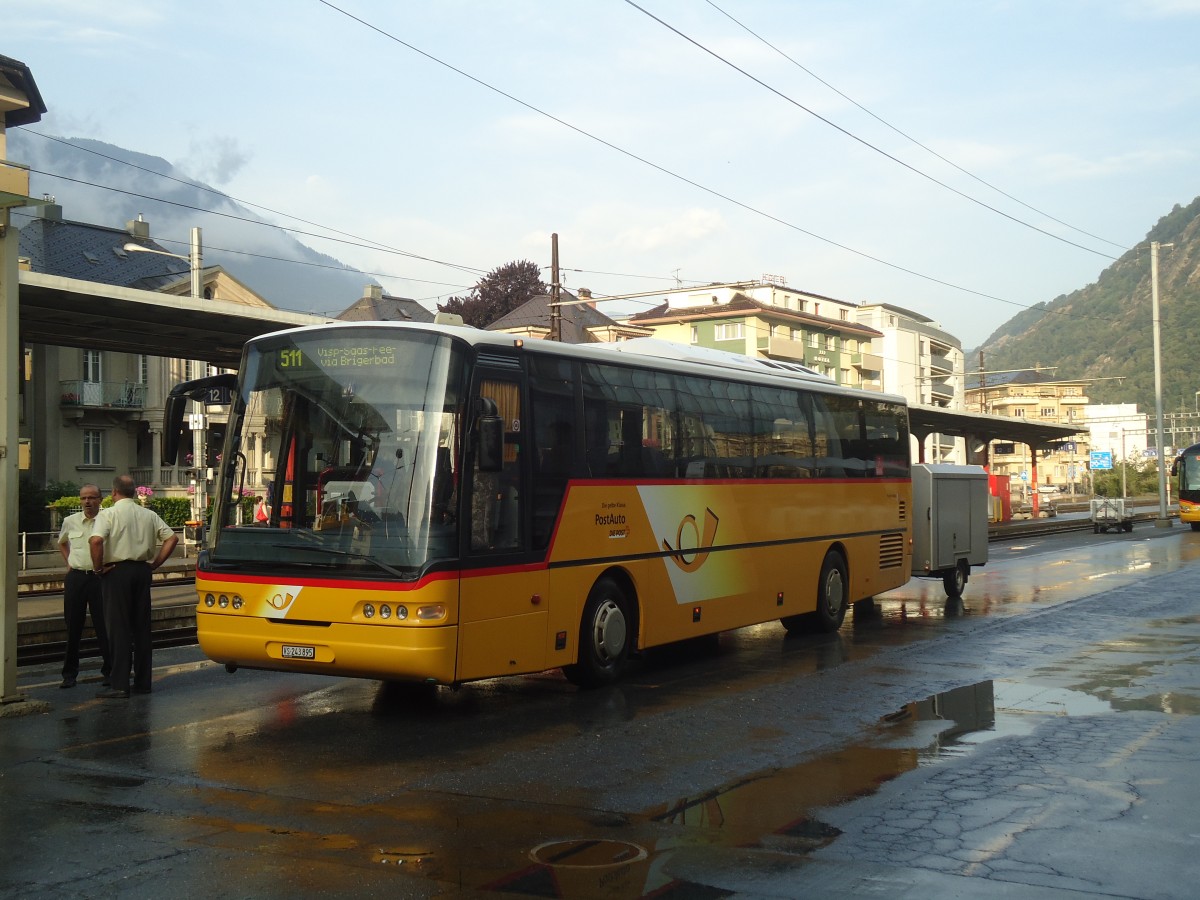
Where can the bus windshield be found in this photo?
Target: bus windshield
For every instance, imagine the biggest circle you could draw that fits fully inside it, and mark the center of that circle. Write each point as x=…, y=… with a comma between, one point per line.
x=1189, y=473
x=356, y=433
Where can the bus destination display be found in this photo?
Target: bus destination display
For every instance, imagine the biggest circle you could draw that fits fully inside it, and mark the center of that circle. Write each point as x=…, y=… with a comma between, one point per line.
x=334, y=357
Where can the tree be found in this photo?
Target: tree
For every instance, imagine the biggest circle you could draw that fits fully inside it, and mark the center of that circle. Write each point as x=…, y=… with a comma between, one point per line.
x=498, y=293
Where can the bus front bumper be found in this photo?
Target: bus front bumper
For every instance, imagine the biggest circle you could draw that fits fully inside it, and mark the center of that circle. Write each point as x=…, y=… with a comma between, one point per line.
x=390, y=653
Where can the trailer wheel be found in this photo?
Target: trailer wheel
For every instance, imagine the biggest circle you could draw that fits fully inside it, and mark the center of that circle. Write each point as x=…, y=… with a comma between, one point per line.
x=955, y=580
x=1196, y=526
x=1128, y=526
x=605, y=636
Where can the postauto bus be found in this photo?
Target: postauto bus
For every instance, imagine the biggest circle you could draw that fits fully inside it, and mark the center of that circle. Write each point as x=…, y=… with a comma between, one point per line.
x=447, y=504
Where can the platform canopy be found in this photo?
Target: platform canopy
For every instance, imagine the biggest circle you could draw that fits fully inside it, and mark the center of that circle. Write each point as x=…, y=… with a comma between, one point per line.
x=74, y=313
x=926, y=420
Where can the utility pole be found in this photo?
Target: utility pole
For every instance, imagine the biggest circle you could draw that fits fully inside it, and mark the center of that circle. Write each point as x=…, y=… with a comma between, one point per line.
x=555, y=290
x=1162, y=521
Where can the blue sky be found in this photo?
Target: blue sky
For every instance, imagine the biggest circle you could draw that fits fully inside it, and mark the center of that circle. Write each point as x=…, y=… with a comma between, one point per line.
x=1088, y=112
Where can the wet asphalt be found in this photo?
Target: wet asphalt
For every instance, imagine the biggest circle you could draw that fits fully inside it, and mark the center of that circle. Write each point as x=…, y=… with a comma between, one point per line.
x=1038, y=739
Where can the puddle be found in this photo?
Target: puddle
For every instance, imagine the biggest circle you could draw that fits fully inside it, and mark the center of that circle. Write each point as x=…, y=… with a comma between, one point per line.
x=775, y=810
x=1150, y=671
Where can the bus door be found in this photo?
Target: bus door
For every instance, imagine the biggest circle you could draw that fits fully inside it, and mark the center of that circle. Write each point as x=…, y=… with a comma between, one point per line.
x=503, y=614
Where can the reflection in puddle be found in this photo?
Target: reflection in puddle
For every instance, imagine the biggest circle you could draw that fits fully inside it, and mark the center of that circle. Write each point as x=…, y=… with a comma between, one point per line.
x=774, y=811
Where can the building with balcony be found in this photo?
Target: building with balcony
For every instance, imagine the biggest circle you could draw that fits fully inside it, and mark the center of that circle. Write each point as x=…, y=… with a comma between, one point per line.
x=768, y=320
x=1028, y=395
x=917, y=358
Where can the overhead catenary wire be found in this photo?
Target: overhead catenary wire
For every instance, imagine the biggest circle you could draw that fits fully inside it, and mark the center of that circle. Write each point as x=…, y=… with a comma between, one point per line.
x=861, y=140
x=369, y=245
x=675, y=175
x=907, y=136
x=298, y=231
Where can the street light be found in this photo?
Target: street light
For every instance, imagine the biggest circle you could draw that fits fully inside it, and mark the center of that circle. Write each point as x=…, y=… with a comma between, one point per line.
x=1162, y=521
x=195, y=263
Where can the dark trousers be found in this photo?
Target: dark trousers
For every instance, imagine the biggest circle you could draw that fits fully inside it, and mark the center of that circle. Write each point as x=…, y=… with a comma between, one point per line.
x=82, y=595
x=127, y=615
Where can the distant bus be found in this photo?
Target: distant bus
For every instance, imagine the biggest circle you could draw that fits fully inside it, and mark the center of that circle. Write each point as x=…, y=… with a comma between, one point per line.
x=1186, y=471
x=448, y=504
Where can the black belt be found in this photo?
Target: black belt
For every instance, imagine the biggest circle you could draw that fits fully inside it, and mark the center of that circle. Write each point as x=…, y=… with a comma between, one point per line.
x=129, y=562
x=84, y=571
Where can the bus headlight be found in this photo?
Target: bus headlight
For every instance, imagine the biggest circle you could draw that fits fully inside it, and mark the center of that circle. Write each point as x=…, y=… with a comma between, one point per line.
x=238, y=602
x=369, y=610
x=437, y=611
x=401, y=612
x=223, y=602
x=210, y=600
x=385, y=612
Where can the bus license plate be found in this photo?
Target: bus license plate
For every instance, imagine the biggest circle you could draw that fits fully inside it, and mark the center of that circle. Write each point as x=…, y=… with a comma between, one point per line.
x=296, y=651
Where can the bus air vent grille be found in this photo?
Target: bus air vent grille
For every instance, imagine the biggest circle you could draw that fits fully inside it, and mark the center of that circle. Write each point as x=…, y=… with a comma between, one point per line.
x=891, y=551
x=903, y=511
x=498, y=360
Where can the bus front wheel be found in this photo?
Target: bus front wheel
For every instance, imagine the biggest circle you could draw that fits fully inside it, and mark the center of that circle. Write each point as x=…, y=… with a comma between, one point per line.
x=832, y=599
x=832, y=593
x=605, y=637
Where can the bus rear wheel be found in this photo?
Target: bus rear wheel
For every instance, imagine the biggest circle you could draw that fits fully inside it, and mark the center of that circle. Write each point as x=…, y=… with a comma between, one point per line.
x=605, y=636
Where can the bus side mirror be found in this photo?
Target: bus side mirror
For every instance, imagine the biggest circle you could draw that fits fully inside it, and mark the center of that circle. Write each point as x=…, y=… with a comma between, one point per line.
x=491, y=437
x=173, y=427
x=198, y=389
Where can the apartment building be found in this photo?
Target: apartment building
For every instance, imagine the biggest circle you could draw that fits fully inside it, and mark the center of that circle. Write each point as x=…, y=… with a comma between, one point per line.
x=768, y=320
x=1030, y=396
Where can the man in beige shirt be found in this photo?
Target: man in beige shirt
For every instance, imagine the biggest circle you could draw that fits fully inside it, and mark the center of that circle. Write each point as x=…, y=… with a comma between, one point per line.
x=125, y=549
x=81, y=588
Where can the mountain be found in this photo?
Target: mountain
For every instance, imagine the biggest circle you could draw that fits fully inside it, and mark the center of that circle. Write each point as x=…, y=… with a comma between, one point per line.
x=1105, y=331
x=285, y=272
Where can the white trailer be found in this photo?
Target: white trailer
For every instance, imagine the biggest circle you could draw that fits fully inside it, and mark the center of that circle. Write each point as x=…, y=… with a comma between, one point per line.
x=1111, y=512
x=950, y=522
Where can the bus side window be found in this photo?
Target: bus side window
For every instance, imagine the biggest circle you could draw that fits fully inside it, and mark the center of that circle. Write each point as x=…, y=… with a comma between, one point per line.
x=552, y=398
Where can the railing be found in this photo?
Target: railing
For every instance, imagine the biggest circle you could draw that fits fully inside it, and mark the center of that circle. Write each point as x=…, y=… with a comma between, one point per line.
x=181, y=477
x=39, y=549
x=102, y=394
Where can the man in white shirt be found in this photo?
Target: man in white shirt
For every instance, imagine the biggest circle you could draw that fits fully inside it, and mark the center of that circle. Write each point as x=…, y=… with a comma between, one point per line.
x=125, y=549
x=81, y=588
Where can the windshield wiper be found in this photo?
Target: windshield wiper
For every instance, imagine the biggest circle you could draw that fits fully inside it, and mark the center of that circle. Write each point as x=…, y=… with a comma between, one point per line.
x=366, y=557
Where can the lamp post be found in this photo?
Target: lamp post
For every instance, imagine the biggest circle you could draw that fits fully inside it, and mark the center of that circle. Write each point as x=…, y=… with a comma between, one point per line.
x=198, y=424
x=1162, y=521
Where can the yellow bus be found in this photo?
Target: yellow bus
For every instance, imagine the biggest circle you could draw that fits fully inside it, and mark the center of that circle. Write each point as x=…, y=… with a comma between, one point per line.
x=1186, y=468
x=447, y=504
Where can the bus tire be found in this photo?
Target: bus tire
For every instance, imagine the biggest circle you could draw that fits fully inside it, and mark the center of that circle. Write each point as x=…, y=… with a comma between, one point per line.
x=955, y=580
x=833, y=588
x=605, y=636
x=1195, y=526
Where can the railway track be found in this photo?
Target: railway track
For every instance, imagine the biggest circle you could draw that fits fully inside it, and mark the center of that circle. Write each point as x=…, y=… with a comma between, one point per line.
x=43, y=640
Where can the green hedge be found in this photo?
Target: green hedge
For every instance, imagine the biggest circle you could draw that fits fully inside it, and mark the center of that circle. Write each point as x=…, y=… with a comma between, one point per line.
x=175, y=511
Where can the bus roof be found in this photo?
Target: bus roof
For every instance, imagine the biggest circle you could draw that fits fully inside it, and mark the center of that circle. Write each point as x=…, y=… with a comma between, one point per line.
x=670, y=355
